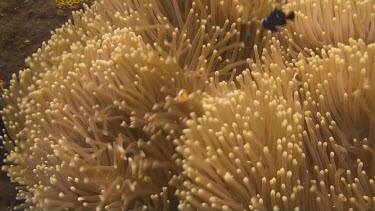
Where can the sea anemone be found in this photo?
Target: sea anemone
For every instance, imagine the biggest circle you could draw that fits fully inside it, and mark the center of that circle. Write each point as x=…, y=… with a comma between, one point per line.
x=286, y=135
x=89, y=136
x=90, y=123
x=319, y=23
x=192, y=105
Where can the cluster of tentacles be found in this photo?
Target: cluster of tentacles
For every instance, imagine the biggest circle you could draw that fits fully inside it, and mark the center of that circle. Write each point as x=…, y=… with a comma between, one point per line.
x=193, y=105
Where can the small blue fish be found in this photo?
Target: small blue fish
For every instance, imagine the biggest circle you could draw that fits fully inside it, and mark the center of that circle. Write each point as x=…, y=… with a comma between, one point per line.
x=277, y=18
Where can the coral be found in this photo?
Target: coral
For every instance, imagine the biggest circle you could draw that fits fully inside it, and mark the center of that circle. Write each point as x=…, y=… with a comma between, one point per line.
x=192, y=105
x=71, y=4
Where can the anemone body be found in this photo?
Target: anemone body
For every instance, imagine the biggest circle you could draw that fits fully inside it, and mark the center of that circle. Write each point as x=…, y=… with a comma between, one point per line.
x=192, y=105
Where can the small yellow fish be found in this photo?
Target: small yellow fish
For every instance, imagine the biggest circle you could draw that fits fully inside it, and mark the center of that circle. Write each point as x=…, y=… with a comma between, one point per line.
x=182, y=96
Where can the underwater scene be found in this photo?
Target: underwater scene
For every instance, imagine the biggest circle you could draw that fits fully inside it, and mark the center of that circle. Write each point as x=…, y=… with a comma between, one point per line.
x=233, y=105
